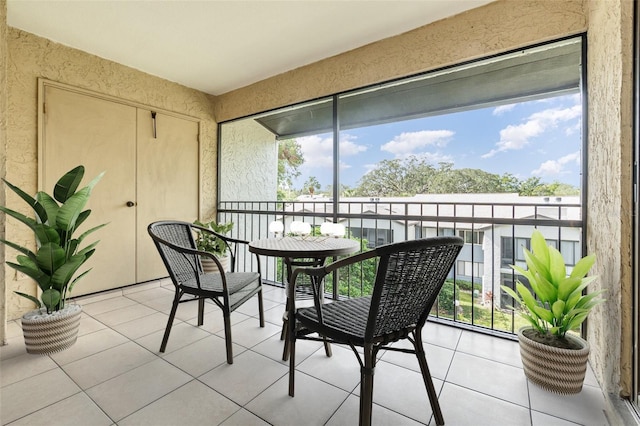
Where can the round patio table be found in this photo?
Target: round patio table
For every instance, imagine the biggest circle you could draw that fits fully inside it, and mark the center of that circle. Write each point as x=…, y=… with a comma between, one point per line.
x=302, y=251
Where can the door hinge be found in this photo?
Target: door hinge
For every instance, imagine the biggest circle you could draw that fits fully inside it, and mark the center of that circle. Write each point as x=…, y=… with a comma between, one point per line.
x=44, y=108
x=153, y=118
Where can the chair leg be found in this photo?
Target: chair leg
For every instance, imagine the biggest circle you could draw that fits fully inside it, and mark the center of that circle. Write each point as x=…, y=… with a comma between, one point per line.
x=200, y=311
x=172, y=316
x=261, y=308
x=284, y=335
x=366, y=385
x=327, y=348
x=292, y=363
x=227, y=333
x=428, y=382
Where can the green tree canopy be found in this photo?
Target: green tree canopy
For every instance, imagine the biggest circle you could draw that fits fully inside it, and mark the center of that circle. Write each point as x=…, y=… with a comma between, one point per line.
x=289, y=161
x=413, y=175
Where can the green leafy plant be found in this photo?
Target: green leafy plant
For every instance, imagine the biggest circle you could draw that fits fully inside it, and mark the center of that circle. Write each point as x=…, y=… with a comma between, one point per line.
x=210, y=243
x=560, y=305
x=58, y=254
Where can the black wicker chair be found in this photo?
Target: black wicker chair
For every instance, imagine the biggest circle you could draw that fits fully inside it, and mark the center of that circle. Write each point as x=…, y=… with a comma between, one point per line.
x=175, y=242
x=409, y=277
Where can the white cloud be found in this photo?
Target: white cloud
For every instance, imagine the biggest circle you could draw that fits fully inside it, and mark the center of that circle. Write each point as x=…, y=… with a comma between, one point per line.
x=503, y=108
x=435, y=157
x=410, y=142
x=318, y=152
x=348, y=147
x=556, y=167
x=518, y=136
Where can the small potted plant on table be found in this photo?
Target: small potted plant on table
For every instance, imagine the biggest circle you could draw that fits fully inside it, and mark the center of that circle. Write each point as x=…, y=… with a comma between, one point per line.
x=552, y=357
x=53, y=325
x=212, y=244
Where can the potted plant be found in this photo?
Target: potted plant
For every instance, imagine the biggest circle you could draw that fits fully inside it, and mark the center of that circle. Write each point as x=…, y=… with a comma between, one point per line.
x=212, y=244
x=552, y=356
x=53, y=325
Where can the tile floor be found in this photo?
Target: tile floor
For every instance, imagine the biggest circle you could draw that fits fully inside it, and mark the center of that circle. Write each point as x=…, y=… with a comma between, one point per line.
x=114, y=374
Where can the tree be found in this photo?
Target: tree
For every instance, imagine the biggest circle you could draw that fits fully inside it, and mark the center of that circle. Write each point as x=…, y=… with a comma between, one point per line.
x=289, y=161
x=414, y=175
x=397, y=177
x=311, y=185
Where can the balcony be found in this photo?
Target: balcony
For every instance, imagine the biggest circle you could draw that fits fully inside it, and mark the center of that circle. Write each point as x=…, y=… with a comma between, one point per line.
x=115, y=375
x=496, y=228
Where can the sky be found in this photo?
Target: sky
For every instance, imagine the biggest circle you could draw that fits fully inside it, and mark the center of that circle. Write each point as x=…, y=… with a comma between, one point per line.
x=537, y=138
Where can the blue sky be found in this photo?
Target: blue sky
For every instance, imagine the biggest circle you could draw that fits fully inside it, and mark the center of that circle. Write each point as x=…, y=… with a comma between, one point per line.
x=536, y=138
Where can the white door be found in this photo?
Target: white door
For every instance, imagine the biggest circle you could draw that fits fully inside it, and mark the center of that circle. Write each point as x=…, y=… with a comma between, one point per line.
x=167, y=181
x=100, y=135
x=146, y=178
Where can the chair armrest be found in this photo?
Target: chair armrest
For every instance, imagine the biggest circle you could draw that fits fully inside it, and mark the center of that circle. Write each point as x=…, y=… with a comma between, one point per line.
x=356, y=258
x=222, y=237
x=318, y=273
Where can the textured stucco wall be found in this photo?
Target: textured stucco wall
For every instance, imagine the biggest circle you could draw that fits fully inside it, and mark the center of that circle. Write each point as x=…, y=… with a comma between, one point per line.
x=494, y=28
x=3, y=157
x=30, y=57
x=609, y=198
x=247, y=155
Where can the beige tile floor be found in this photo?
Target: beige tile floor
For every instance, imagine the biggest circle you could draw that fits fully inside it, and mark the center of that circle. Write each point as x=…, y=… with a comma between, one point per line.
x=114, y=374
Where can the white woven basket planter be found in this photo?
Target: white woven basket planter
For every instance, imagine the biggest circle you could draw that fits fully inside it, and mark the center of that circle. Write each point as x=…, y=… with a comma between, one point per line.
x=48, y=333
x=557, y=370
x=208, y=265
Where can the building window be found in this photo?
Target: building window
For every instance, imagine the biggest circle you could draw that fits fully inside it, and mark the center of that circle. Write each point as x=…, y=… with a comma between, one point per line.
x=570, y=252
x=471, y=237
x=468, y=269
x=374, y=237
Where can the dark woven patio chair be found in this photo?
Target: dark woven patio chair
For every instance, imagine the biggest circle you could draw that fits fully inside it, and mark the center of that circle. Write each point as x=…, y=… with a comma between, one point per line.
x=409, y=277
x=175, y=242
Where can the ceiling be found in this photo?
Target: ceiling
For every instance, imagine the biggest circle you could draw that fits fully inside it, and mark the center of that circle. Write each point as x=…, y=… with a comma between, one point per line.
x=218, y=46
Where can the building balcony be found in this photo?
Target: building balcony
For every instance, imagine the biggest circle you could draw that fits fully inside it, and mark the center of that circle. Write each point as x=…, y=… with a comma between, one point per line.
x=114, y=374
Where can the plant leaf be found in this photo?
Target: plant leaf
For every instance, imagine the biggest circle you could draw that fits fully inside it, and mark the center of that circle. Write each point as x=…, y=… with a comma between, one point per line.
x=583, y=266
x=21, y=249
x=539, y=247
x=50, y=257
x=577, y=320
x=545, y=290
x=46, y=234
x=26, y=261
x=544, y=313
x=22, y=218
x=525, y=273
x=51, y=298
x=589, y=297
x=557, y=268
x=37, y=275
x=67, y=184
x=64, y=273
x=40, y=211
x=30, y=297
x=50, y=206
x=512, y=293
x=76, y=279
x=528, y=299
x=71, y=209
x=95, y=181
x=558, y=309
x=536, y=265
x=82, y=217
x=567, y=286
x=95, y=228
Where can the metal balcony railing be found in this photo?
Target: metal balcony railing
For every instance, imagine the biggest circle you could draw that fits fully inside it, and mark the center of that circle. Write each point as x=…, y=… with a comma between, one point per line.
x=494, y=233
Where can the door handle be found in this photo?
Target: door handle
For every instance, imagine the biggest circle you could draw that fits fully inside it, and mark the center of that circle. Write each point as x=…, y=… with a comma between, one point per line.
x=130, y=204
